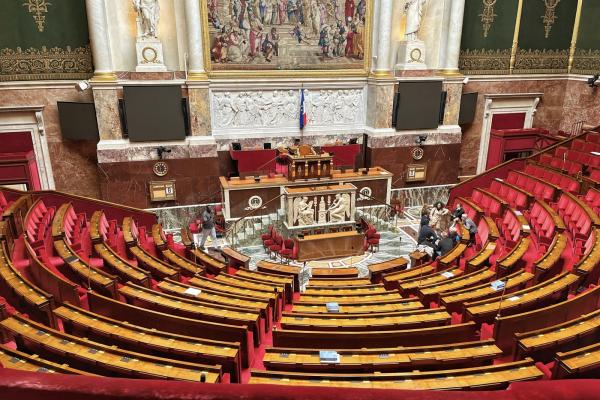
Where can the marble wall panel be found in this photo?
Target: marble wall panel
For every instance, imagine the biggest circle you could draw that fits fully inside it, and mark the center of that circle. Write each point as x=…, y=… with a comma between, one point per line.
x=380, y=104
x=453, y=97
x=199, y=104
x=581, y=103
x=107, y=112
x=549, y=112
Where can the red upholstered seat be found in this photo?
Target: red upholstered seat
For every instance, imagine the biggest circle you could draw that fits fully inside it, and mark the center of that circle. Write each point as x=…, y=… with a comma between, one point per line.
x=276, y=246
x=288, y=251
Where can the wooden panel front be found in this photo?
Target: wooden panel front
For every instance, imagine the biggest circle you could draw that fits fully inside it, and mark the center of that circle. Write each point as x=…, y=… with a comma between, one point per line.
x=238, y=201
x=330, y=245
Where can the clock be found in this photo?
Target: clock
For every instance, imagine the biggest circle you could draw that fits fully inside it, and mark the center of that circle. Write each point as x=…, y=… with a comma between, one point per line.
x=417, y=153
x=160, y=168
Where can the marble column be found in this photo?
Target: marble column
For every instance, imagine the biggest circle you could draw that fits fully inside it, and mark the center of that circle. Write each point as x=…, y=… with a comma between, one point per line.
x=98, y=31
x=193, y=20
x=382, y=66
x=457, y=11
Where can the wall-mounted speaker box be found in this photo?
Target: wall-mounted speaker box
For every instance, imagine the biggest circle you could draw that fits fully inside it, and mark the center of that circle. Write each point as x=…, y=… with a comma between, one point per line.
x=78, y=121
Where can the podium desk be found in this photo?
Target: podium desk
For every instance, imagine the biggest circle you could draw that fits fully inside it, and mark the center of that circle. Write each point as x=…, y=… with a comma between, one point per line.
x=330, y=245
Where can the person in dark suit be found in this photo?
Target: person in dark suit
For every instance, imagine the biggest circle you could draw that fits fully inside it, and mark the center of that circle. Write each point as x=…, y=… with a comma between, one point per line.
x=445, y=244
x=427, y=236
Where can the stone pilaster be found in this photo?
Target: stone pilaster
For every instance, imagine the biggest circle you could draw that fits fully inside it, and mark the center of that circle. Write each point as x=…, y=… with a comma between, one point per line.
x=457, y=11
x=106, y=101
x=199, y=103
x=380, y=103
x=382, y=65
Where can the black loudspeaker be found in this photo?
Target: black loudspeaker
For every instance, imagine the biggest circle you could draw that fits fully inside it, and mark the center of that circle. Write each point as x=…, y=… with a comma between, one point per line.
x=267, y=146
x=353, y=141
x=443, y=98
x=78, y=121
x=365, y=145
x=236, y=146
x=186, y=116
x=123, y=118
x=395, y=108
x=468, y=104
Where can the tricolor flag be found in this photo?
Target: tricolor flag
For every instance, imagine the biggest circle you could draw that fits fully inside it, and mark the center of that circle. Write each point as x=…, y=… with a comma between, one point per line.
x=303, y=119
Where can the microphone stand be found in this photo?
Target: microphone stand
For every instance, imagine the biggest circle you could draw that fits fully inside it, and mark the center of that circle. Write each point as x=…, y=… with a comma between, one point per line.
x=501, y=298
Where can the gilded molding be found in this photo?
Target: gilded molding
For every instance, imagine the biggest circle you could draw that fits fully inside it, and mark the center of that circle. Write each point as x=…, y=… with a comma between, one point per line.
x=542, y=61
x=38, y=10
x=484, y=61
x=549, y=17
x=487, y=16
x=45, y=63
x=586, y=62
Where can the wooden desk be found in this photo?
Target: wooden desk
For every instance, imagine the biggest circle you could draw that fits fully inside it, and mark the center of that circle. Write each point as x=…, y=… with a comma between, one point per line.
x=587, y=267
x=344, y=291
x=454, y=301
x=174, y=324
x=534, y=296
x=23, y=294
x=94, y=356
x=184, y=265
x=235, y=259
x=375, y=339
x=458, y=355
x=482, y=258
x=83, y=323
x=364, y=299
x=15, y=359
x=544, y=343
x=281, y=269
x=412, y=286
x=550, y=263
x=514, y=258
x=320, y=282
x=483, y=378
x=377, y=270
x=373, y=308
x=57, y=223
x=418, y=258
x=158, y=268
x=211, y=264
x=433, y=292
x=393, y=280
x=286, y=281
x=330, y=245
x=122, y=267
x=579, y=363
x=334, y=273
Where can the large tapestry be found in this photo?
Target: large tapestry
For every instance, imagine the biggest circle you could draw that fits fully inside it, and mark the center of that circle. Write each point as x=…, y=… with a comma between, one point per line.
x=273, y=35
x=42, y=39
x=587, y=55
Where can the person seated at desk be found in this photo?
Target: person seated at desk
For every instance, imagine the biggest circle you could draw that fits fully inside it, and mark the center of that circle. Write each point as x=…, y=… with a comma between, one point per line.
x=470, y=225
x=427, y=236
x=445, y=244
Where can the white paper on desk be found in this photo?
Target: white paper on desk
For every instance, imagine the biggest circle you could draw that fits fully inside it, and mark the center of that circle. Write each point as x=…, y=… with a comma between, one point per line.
x=447, y=274
x=526, y=227
x=518, y=213
x=596, y=153
x=192, y=291
x=514, y=298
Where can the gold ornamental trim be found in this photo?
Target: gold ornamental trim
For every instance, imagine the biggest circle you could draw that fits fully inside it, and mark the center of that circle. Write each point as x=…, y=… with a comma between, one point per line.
x=485, y=61
x=549, y=17
x=542, y=61
x=45, y=63
x=38, y=10
x=586, y=62
x=487, y=16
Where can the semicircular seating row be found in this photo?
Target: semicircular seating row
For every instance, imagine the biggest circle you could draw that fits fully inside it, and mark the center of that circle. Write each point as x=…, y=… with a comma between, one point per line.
x=95, y=288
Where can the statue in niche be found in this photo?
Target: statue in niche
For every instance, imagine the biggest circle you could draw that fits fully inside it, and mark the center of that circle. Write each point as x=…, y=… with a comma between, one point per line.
x=303, y=211
x=414, y=14
x=340, y=208
x=148, y=13
x=322, y=211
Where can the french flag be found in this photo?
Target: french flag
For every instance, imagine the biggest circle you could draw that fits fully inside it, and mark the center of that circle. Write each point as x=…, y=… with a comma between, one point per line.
x=303, y=119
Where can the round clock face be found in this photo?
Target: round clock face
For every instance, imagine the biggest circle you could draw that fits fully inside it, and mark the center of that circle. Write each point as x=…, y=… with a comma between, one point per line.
x=160, y=168
x=417, y=153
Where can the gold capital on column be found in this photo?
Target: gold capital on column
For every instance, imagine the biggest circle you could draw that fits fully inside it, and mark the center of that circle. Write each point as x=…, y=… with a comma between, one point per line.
x=104, y=77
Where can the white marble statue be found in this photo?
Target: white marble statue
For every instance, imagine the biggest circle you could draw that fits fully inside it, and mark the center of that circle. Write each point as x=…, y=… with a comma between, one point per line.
x=303, y=211
x=322, y=211
x=414, y=14
x=149, y=14
x=340, y=208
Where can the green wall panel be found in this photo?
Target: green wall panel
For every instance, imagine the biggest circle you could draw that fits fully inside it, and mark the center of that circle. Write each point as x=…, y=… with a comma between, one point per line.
x=51, y=42
x=500, y=34
x=589, y=25
x=532, y=34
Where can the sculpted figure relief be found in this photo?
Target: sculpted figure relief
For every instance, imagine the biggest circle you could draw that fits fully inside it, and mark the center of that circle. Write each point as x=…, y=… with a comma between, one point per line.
x=340, y=208
x=303, y=211
x=414, y=14
x=149, y=14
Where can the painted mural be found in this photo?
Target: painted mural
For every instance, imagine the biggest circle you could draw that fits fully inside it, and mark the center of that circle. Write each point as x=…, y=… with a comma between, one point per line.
x=287, y=34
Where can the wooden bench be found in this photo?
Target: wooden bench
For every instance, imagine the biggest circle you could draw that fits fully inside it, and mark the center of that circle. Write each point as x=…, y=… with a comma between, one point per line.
x=210, y=263
x=395, y=359
x=364, y=299
x=111, y=360
x=386, y=267
x=162, y=302
x=179, y=289
x=265, y=277
x=433, y=291
x=281, y=269
x=370, y=339
x=174, y=324
x=579, y=363
x=184, y=265
x=84, y=323
x=334, y=273
x=338, y=282
x=542, y=344
x=344, y=291
x=550, y=263
x=453, y=301
x=24, y=295
x=514, y=258
x=479, y=378
x=14, y=359
x=121, y=267
x=392, y=281
x=349, y=308
x=588, y=266
x=533, y=297
x=87, y=274
x=507, y=325
x=235, y=259
x=453, y=256
x=412, y=286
